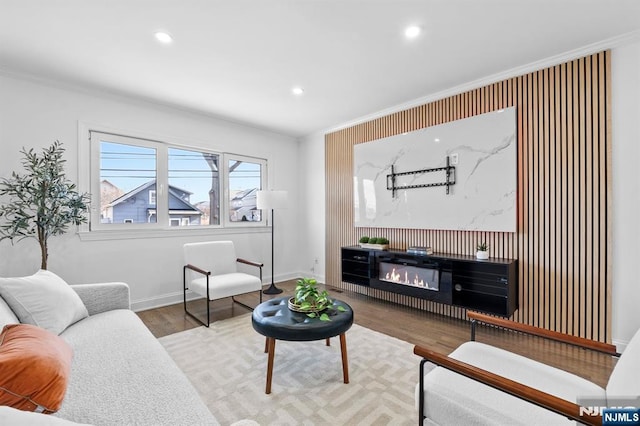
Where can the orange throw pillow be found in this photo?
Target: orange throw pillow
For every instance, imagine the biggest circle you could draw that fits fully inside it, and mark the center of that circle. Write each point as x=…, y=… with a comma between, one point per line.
x=34, y=368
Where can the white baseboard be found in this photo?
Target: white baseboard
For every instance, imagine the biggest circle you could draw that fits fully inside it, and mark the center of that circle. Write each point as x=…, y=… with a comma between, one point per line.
x=621, y=345
x=176, y=297
x=159, y=301
x=317, y=277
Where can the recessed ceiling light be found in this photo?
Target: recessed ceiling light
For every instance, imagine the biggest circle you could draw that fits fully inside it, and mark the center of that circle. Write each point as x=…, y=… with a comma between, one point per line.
x=412, y=31
x=297, y=91
x=163, y=37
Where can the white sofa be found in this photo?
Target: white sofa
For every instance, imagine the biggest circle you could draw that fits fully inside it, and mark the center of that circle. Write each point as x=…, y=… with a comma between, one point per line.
x=452, y=397
x=120, y=373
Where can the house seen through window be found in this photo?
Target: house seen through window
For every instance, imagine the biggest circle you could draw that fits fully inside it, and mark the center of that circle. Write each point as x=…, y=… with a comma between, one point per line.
x=244, y=183
x=127, y=174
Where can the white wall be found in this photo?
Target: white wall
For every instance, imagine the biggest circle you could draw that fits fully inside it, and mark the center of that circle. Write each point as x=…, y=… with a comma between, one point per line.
x=625, y=85
x=33, y=114
x=625, y=183
x=312, y=226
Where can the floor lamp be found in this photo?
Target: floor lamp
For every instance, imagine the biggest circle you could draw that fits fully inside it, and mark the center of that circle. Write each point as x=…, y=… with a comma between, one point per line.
x=271, y=200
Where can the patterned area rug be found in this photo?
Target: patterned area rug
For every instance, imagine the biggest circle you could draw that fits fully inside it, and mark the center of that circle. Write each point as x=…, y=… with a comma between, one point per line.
x=227, y=365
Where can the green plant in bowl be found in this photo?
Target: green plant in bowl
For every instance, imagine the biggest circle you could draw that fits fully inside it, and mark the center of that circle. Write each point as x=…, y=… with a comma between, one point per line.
x=310, y=300
x=364, y=239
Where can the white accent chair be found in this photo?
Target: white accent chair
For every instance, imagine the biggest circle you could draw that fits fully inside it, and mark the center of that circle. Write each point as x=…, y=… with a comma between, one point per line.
x=210, y=270
x=478, y=384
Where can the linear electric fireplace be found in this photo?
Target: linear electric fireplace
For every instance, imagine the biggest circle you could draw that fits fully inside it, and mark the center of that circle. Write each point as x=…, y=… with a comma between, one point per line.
x=459, y=280
x=421, y=277
x=411, y=275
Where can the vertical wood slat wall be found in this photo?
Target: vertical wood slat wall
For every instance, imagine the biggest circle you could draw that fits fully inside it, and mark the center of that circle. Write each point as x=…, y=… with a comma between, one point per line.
x=563, y=237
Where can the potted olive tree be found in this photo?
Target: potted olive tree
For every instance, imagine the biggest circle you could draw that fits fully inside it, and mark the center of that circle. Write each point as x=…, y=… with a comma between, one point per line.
x=40, y=203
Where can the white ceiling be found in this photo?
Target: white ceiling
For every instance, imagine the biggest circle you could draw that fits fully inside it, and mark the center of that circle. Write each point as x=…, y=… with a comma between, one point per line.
x=239, y=59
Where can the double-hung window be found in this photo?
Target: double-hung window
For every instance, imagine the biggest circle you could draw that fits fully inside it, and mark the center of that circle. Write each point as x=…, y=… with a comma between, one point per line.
x=146, y=184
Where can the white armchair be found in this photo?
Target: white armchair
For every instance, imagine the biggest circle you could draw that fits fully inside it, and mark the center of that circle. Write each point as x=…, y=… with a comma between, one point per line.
x=210, y=270
x=483, y=385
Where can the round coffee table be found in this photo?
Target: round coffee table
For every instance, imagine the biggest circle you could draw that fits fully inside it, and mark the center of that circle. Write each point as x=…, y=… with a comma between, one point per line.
x=274, y=320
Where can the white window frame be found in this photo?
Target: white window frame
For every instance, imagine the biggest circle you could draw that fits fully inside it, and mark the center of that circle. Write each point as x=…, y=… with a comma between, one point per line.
x=162, y=203
x=89, y=173
x=225, y=177
x=152, y=197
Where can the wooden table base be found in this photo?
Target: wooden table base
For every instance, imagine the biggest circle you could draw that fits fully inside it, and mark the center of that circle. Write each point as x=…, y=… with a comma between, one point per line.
x=271, y=346
x=345, y=361
x=270, y=349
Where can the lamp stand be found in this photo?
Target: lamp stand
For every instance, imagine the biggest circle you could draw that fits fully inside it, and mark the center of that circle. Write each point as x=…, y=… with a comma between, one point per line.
x=272, y=288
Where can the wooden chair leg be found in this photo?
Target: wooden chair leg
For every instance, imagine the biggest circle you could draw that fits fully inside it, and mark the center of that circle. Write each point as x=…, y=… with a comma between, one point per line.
x=266, y=345
x=272, y=347
x=328, y=341
x=345, y=361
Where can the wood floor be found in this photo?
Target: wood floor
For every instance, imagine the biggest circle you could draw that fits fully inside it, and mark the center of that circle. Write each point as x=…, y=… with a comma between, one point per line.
x=433, y=331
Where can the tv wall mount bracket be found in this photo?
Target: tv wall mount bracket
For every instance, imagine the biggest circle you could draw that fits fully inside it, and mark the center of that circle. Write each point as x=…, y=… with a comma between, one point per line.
x=450, y=178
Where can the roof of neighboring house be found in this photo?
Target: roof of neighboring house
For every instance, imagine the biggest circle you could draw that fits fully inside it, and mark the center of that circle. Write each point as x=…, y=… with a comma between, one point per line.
x=244, y=193
x=133, y=192
x=173, y=190
x=108, y=192
x=106, y=182
x=188, y=206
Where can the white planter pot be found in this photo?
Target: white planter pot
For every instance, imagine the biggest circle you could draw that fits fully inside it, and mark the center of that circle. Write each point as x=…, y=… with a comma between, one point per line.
x=482, y=255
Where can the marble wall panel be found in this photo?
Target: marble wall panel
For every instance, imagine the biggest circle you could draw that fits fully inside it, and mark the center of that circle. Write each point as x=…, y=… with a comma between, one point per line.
x=483, y=151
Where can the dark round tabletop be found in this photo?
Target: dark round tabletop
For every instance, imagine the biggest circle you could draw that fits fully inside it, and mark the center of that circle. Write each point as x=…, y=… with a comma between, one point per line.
x=273, y=318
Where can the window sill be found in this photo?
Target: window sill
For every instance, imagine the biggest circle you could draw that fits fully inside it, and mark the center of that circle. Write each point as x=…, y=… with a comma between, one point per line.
x=129, y=234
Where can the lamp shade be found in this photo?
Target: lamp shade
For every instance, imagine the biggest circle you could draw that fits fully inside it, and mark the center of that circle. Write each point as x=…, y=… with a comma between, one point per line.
x=271, y=200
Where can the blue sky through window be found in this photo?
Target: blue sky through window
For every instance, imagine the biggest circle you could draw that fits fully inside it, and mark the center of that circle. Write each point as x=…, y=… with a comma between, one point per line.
x=127, y=166
x=192, y=171
x=130, y=166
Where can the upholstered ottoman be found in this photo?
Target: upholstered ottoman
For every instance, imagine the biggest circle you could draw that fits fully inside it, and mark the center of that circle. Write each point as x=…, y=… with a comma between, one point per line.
x=274, y=320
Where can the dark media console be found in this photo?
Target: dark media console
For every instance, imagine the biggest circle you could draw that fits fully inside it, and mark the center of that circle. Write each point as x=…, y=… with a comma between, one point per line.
x=482, y=285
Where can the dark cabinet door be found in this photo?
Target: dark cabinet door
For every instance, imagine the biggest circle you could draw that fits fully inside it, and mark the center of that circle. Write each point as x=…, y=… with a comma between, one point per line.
x=484, y=286
x=357, y=266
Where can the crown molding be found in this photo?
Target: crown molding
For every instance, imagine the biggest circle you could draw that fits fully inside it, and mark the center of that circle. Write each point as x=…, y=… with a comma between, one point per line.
x=139, y=100
x=570, y=55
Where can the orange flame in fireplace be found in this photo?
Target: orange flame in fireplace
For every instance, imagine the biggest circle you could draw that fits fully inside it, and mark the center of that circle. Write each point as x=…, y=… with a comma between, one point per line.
x=395, y=277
